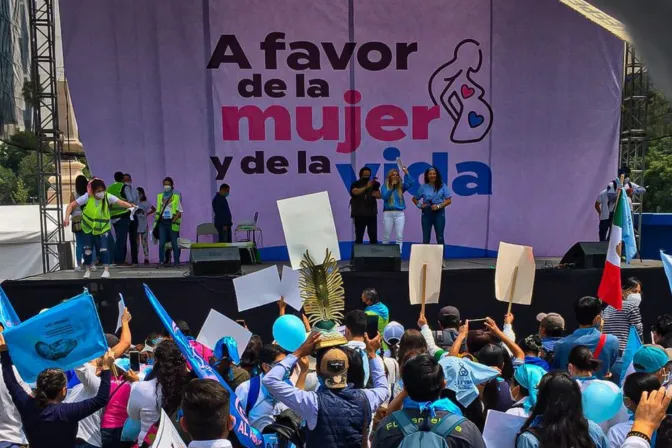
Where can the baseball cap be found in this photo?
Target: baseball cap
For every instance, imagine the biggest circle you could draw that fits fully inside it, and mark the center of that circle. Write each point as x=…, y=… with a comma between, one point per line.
x=449, y=314
x=650, y=359
x=334, y=369
x=111, y=339
x=123, y=363
x=392, y=332
x=551, y=321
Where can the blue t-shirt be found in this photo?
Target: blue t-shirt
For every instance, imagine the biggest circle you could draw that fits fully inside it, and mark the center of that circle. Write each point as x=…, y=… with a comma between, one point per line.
x=392, y=200
x=589, y=337
x=427, y=195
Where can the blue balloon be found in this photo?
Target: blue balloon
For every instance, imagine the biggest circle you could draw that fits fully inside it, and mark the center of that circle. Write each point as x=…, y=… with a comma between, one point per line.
x=601, y=401
x=289, y=332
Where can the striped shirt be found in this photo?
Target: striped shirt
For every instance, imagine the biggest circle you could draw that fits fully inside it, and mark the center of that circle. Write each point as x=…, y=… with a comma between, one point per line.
x=618, y=322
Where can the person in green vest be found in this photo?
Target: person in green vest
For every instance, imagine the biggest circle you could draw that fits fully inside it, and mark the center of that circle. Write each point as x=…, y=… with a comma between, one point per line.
x=374, y=307
x=96, y=214
x=121, y=218
x=168, y=220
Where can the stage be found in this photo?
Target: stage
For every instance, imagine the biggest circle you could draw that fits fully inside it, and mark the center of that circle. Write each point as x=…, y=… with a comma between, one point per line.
x=466, y=283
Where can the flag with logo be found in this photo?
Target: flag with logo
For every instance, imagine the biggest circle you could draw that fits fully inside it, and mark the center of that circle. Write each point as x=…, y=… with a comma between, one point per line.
x=8, y=317
x=667, y=265
x=248, y=436
x=610, y=286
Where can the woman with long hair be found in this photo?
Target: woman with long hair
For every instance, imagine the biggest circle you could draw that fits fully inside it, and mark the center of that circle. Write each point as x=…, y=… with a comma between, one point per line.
x=47, y=421
x=392, y=194
x=249, y=360
x=145, y=209
x=557, y=419
x=432, y=198
x=163, y=391
x=81, y=182
x=95, y=204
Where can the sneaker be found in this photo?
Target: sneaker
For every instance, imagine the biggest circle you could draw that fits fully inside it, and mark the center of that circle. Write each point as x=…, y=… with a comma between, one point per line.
x=106, y=274
x=146, y=261
x=87, y=274
x=78, y=269
x=94, y=268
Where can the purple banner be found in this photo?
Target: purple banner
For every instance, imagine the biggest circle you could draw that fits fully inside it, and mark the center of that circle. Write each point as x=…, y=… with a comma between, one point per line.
x=516, y=103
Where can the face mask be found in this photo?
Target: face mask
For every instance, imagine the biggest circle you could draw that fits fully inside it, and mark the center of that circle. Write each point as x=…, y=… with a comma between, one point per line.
x=100, y=195
x=167, y=188
x=635, y=298
x=366, y=178
x=666, y=379
x=128, y=184
x=226, y=195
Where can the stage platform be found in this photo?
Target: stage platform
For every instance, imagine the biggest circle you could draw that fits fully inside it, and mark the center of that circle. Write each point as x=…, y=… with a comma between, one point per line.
x=466, y=283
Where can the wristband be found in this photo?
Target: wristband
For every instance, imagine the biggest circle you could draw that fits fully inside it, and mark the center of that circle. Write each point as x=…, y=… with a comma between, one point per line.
x=641, y=435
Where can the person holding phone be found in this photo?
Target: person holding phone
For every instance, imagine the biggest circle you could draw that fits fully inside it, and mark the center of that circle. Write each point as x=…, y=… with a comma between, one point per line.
x=432, y=198
x=363, y=208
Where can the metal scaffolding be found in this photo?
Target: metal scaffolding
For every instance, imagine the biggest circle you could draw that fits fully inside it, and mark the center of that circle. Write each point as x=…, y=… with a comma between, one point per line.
x=45, y=119
x=634, y=138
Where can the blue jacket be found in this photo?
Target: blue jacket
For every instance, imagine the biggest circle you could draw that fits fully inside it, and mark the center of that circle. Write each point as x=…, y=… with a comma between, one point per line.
x=392, y=200
x=590, y=338
x=220, y=207
x=340, y=419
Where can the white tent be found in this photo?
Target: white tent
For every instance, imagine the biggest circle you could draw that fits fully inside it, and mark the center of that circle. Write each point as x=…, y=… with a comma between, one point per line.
x=20, y=248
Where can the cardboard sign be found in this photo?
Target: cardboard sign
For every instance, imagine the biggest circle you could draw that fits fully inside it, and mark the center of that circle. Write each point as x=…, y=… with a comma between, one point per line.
x=289, y=288
x=308, y=224
x=501, y=429
x=217, y=326
x=166, y=435
x=514, y=274
x=257, y=288
x=431, y=256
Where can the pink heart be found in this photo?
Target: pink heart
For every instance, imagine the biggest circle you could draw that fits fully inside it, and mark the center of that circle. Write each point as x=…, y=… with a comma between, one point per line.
x=467, y=91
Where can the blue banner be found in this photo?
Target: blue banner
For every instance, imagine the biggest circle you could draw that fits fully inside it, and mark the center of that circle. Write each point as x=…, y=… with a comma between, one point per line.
x=631, y=347
x=667, y=265
x=65, y=336
x=247, y=435
x=8, y=317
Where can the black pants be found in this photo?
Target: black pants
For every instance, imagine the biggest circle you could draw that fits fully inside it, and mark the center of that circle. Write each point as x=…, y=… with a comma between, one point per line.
x=133, y=237
x=366, y=223
x=605, y=226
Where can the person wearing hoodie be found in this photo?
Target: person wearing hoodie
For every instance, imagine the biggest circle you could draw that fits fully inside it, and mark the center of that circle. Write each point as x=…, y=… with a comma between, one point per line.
x=532, y=347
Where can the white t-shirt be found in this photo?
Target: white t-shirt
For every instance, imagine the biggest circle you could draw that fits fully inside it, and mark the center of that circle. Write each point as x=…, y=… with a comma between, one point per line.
x=89, y=428
x=81, y=201
x=393, y=374
x=261, y=415
x=10, y=420
x=144, y=405
x=618, y=433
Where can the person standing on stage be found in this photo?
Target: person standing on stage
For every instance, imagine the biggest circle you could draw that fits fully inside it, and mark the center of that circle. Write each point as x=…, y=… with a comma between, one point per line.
x=392, y=194
x=96, y=207
x=223, y=218
x=132, y=197
x=432, y=198
x=605, y=205
x=363, y=207
x=168, y=220
x=630, y=187
x=121, y=220
x=145, y=209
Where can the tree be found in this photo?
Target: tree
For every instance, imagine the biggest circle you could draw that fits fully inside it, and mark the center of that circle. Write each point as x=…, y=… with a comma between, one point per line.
x=658, y=175
x=7, y=185
x=20, y=195
x=28, y=172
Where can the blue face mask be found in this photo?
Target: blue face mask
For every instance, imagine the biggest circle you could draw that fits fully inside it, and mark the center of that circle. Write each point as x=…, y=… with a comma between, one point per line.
x=226, y=195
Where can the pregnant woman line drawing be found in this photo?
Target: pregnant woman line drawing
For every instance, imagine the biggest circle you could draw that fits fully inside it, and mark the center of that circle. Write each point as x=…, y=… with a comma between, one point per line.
x=453, y=87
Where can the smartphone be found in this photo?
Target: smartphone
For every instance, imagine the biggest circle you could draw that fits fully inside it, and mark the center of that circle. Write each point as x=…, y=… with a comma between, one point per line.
x=241, y=322
x=135, y=360
x=372, y=326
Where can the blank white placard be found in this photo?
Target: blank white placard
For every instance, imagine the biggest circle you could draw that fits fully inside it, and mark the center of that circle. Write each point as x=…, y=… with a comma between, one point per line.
x=257, y=288
x=217, y=326
x=510, y=257
x=289, y=288
x=432, y=256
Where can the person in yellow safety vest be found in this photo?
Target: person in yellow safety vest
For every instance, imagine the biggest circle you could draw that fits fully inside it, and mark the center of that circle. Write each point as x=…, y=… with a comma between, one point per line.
x=168, y=220
x=96, y=222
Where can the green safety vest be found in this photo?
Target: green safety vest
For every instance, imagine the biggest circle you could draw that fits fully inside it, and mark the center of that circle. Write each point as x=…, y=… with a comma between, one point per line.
x=175, y=202
x=116, y=190
x=96, y=216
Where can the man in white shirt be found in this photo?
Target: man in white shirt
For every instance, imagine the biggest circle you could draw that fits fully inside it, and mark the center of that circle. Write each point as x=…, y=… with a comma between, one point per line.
x=11, y=433
x=259, y=405
x=205, y=408
x=605, y=210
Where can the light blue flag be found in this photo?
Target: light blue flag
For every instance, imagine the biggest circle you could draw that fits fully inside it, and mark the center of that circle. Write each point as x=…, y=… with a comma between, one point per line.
x=629, y=241
x=667, y=265
x=248, y=436
x=8, y=316
x=631, y=347
x=64, y=337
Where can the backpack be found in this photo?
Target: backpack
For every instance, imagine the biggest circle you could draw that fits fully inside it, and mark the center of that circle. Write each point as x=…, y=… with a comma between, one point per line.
x=414, y=437
x=286, y=431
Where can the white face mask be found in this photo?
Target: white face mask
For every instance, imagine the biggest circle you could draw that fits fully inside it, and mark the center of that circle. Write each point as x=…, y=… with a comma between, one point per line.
x=636, y=298
x=100, y=195
x=167, y=188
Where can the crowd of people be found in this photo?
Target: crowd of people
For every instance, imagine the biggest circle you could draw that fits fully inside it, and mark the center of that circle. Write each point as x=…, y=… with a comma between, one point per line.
x=407, y=387
x=106, y=220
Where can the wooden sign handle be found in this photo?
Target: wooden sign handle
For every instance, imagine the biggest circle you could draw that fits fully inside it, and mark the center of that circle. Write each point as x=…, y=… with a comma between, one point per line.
x=512, y=290
x=423, y=288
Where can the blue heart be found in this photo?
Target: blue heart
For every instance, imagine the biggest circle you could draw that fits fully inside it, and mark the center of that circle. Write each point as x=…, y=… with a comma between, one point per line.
x=475, y=120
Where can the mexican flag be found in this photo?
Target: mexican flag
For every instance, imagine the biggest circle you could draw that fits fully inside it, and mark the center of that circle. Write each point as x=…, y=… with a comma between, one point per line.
x=610, y=286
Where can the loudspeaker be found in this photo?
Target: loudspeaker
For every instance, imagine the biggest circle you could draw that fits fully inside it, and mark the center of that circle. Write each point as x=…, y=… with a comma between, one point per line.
x=376, y=257
x=215, y=261
x=587, y=255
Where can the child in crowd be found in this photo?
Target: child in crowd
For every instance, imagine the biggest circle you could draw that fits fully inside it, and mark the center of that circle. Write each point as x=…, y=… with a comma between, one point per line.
x=635, y=384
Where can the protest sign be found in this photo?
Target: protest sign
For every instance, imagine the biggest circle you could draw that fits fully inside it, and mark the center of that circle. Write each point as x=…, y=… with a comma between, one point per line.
x=424, y=273
x=122, y=307
x=65, y=336
x=248, y=436
x=308, y=224
x=8, y=317
x=501, y=429
x=217, y=326
x=166, y=435
x=257, y=288
x=289, y=288
x=514, y=274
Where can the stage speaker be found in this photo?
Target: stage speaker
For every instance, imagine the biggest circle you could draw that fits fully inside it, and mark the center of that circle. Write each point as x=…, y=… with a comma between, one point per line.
x=586, y=255
x=215, y=261
x=376, y=257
